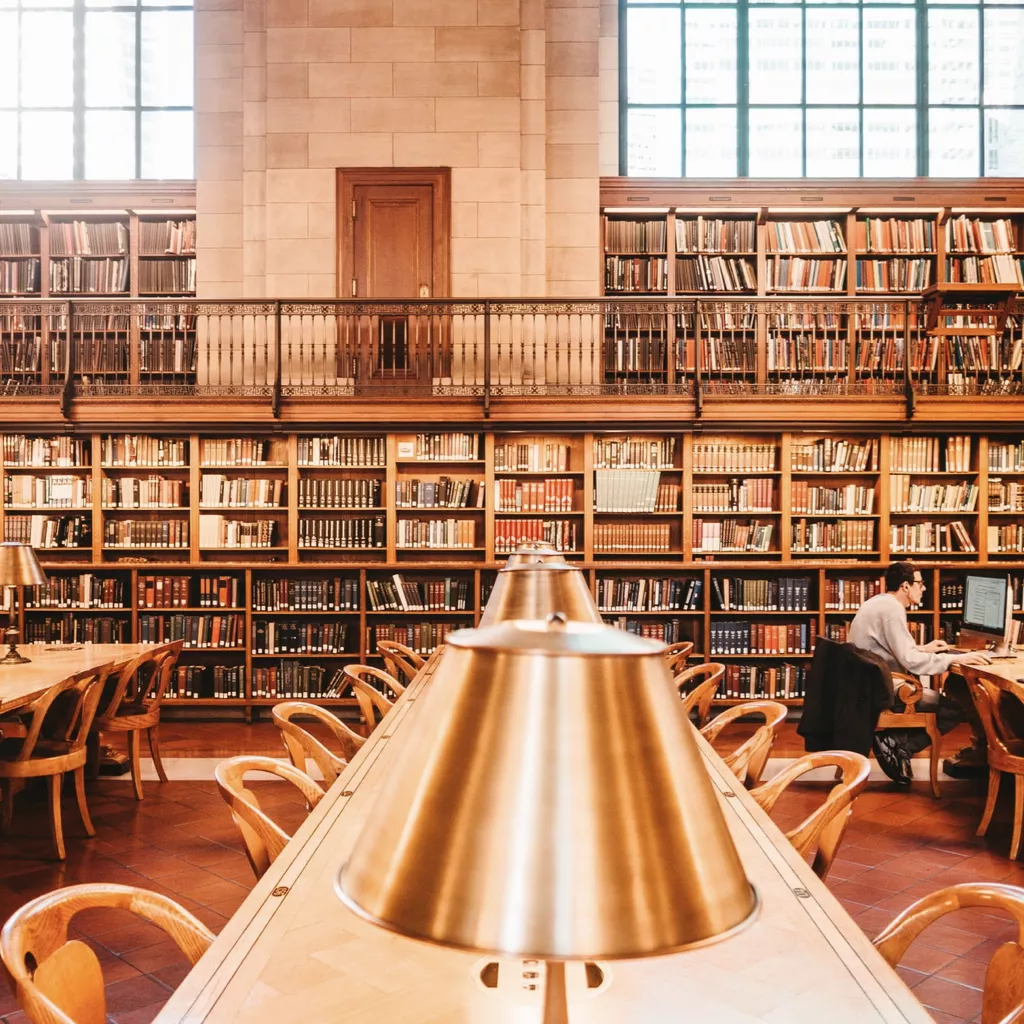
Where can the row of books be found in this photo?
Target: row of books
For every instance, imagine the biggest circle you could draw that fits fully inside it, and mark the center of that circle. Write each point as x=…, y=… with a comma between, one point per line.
x=77, y=629
x=565, y=534
x=848, y=594
x=532, y=457
x=905, y=495
x=717, y=457
x=17, y=238
x=806, y=354
x=752, y=495
x=50, y=491
x=972, y=234
x=435, y=533
x=741, y=637
x=81, y=590
x=218, y=491
x=401, y=594
x=836, y=535
x=20, y=450
x=639, y=538
x=796, y=274
x=626, y=355
x=149, y=492
x=290, y=679
x=101, y=277
x=100, y=354
x=848, y=500
x=22, y=354
x=713, y=234
x=1005, y=496
x=49, y=531
x=713, y=535
x=1006, y=539
x=634, y=453
x=167, y=277
x=275, y=636
x=772, y=594
x=357, y=532
x=1002, y=269
x=447, y=492
x=207, y=682
x=715, y=274
x=668, y=631
x=441, y=448
x=176, y=237
x=929, y=538
x=198, y=631
x=922, y=454
x=635, y=274
x=897, y=274
x=422, y=637
x=634, y=490
x=342, y=450
x=88, y=238
x=142, y=450
x=804, y=236
x=759, y=682
x=977, y=354
x=177, y=591
x=1006, y=457
x=291, y=595
x=145, y=533
x=534, y=495
x=234, y=451
x=18, y=277
x=339, y=492
x=898, y=234
x=635, y=235
x=649, y=594
x=218, y=532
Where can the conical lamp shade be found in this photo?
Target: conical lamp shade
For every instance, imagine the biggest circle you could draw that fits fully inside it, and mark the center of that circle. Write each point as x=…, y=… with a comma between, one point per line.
x=552, y=803
x=18, y=566
x=534, y=552
x=534, y=591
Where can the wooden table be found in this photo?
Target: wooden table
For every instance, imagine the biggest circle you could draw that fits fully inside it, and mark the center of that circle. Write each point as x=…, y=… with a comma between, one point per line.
x=21, y=684
x=1001, y=668
x=292, y=952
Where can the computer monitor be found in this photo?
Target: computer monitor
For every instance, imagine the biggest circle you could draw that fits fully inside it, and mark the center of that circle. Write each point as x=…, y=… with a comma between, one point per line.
x=987, y=611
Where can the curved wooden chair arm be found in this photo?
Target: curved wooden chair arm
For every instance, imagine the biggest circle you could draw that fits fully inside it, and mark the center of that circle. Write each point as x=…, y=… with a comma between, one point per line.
x=300, y=743
x=401, y=660
x=163, y=668
x=264, y=839
x=59, y=981
x=908, y=690
x=1003, y=999
x=747, y=761
x=371, y=701
x=703, y=693
x=677, y=654
x=824, y=827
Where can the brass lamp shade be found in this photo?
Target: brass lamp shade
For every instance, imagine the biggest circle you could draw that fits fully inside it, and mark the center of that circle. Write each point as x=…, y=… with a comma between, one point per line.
x=534, y=552
x=533, y=591
x=552, y=804
x=18, y=566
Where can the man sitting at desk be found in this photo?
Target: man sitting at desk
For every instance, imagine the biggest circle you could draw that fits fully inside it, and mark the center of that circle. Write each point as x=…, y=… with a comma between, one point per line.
x=880, y=627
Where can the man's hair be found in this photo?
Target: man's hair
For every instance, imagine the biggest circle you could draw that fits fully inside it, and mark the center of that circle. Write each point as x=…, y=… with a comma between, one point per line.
x=897, y=574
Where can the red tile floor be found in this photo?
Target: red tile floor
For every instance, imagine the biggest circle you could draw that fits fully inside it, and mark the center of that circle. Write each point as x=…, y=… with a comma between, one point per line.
x=180, y=841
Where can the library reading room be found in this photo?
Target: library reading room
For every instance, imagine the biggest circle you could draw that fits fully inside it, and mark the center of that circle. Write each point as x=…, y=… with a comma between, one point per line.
x=512, y=511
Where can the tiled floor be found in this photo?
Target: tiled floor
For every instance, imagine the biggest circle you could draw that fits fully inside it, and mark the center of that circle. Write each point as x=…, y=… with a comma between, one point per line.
x=180, y=841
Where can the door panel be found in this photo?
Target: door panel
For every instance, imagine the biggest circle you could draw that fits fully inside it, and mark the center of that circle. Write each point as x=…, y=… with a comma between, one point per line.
x=393, y=241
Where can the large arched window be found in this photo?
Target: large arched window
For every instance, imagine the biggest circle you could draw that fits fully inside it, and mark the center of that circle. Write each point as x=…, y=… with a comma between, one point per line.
x=874, y=88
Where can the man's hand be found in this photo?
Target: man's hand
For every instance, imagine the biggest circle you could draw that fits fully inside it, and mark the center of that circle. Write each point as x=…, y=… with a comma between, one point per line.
x=973, y=658
x=935, y=647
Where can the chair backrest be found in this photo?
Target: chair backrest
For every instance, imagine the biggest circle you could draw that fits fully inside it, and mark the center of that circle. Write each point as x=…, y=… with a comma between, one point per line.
x=1003, y=995
x=300, y=743
x=58, y=981
x=999, y=736
x=822, y=830
x=677, y=654
x=401, y=661
x=750, y=757
x=368, y=684
x=264, y=839
x=150, y=672
x=697, y=687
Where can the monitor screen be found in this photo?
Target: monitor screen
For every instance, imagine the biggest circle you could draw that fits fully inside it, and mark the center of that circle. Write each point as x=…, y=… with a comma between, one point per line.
x=985, y=603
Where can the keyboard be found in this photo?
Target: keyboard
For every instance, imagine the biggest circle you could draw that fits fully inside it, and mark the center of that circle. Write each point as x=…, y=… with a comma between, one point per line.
x=955, y=650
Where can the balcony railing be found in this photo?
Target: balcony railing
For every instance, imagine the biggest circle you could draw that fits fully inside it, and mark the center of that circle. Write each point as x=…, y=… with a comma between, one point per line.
x=698, y=349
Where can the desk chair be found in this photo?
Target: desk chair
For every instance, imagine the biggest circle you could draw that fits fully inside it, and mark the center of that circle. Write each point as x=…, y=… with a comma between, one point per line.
x=697, y=691
x=59, y=980
x=908, y=690
x=747, y=761
x=370, y=686
x=401, y=661
x=300, y=743
x=1003, y=994
x=677, y=654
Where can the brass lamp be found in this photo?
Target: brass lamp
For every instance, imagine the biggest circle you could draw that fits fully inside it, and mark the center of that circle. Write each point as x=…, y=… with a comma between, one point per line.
x=551, y=804
x=18, y=568
x=534, y=552
x=531, y=591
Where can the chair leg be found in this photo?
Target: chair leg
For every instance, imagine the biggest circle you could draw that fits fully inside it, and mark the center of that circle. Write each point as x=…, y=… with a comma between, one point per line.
x=94, y=754
x=6, y=804
x=153, y=734
x=994, y=775
x=53, y=784
x=933, y=762
x=134, y=743
x=1018, y=814
x=83, y=807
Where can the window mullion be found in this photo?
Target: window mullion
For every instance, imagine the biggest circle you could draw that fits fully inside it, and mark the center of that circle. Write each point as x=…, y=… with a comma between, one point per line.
x=137, y=121
x=742, y=89
x=921, y=7
x=78, y=89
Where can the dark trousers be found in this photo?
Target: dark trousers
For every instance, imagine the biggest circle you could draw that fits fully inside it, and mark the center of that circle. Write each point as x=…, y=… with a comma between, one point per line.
x=949, y=711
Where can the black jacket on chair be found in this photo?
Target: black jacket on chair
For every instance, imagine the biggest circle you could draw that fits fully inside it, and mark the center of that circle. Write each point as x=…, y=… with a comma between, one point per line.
x=847, y=690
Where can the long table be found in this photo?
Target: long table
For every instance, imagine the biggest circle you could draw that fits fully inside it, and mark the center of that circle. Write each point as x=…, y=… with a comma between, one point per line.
x=293, y=952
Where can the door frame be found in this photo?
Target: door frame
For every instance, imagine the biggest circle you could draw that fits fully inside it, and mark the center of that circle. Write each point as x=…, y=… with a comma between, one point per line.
x=438, y=178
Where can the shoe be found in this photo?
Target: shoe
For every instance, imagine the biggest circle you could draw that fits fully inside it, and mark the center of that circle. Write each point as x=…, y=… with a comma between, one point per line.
x=969, y=763
x=893, y=758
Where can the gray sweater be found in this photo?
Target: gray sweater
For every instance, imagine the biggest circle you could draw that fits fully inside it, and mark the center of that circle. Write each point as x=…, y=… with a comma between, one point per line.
x=880, y=626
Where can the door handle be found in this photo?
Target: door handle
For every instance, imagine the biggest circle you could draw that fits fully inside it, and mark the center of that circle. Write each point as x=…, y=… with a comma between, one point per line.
x=424, y=291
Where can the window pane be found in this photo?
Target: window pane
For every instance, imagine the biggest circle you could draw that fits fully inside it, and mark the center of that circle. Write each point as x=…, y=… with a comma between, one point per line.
x=46, y=59
x=46, y=147
x=833, y=56
x=652, y=43
x=109, y=59
x=45, y=3
x=953, y=143
x=953, y=56
x=1004, y=68
x=655, y=143
x=776, y=149
x=167, y=58
x=890, y=65
x=167, y=144
x=711, y=55
x=8, y=60
x=711, y=142
x=776, y=55
x=9, y=151
x=833, y=143
x=890, y=143
x=109, y=144
x=1004, y=143
x=167, y=3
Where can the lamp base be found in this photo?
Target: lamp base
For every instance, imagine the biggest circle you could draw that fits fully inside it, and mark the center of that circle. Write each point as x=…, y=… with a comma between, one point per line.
x=11, y=634
x=12, y=657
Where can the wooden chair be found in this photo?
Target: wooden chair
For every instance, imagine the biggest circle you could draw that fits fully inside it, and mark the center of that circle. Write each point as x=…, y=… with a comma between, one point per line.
x=677, y=654
x=822, y=831
x=909, y=690
x=1003, y=992
x=697, y=691
x=1005, y=753
x=300, y=743
x=401, y=661
x=747, y=761
x=368, y=684
x=264, y=839
x=58, y=980
x=134, y=707
x=66, y=710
